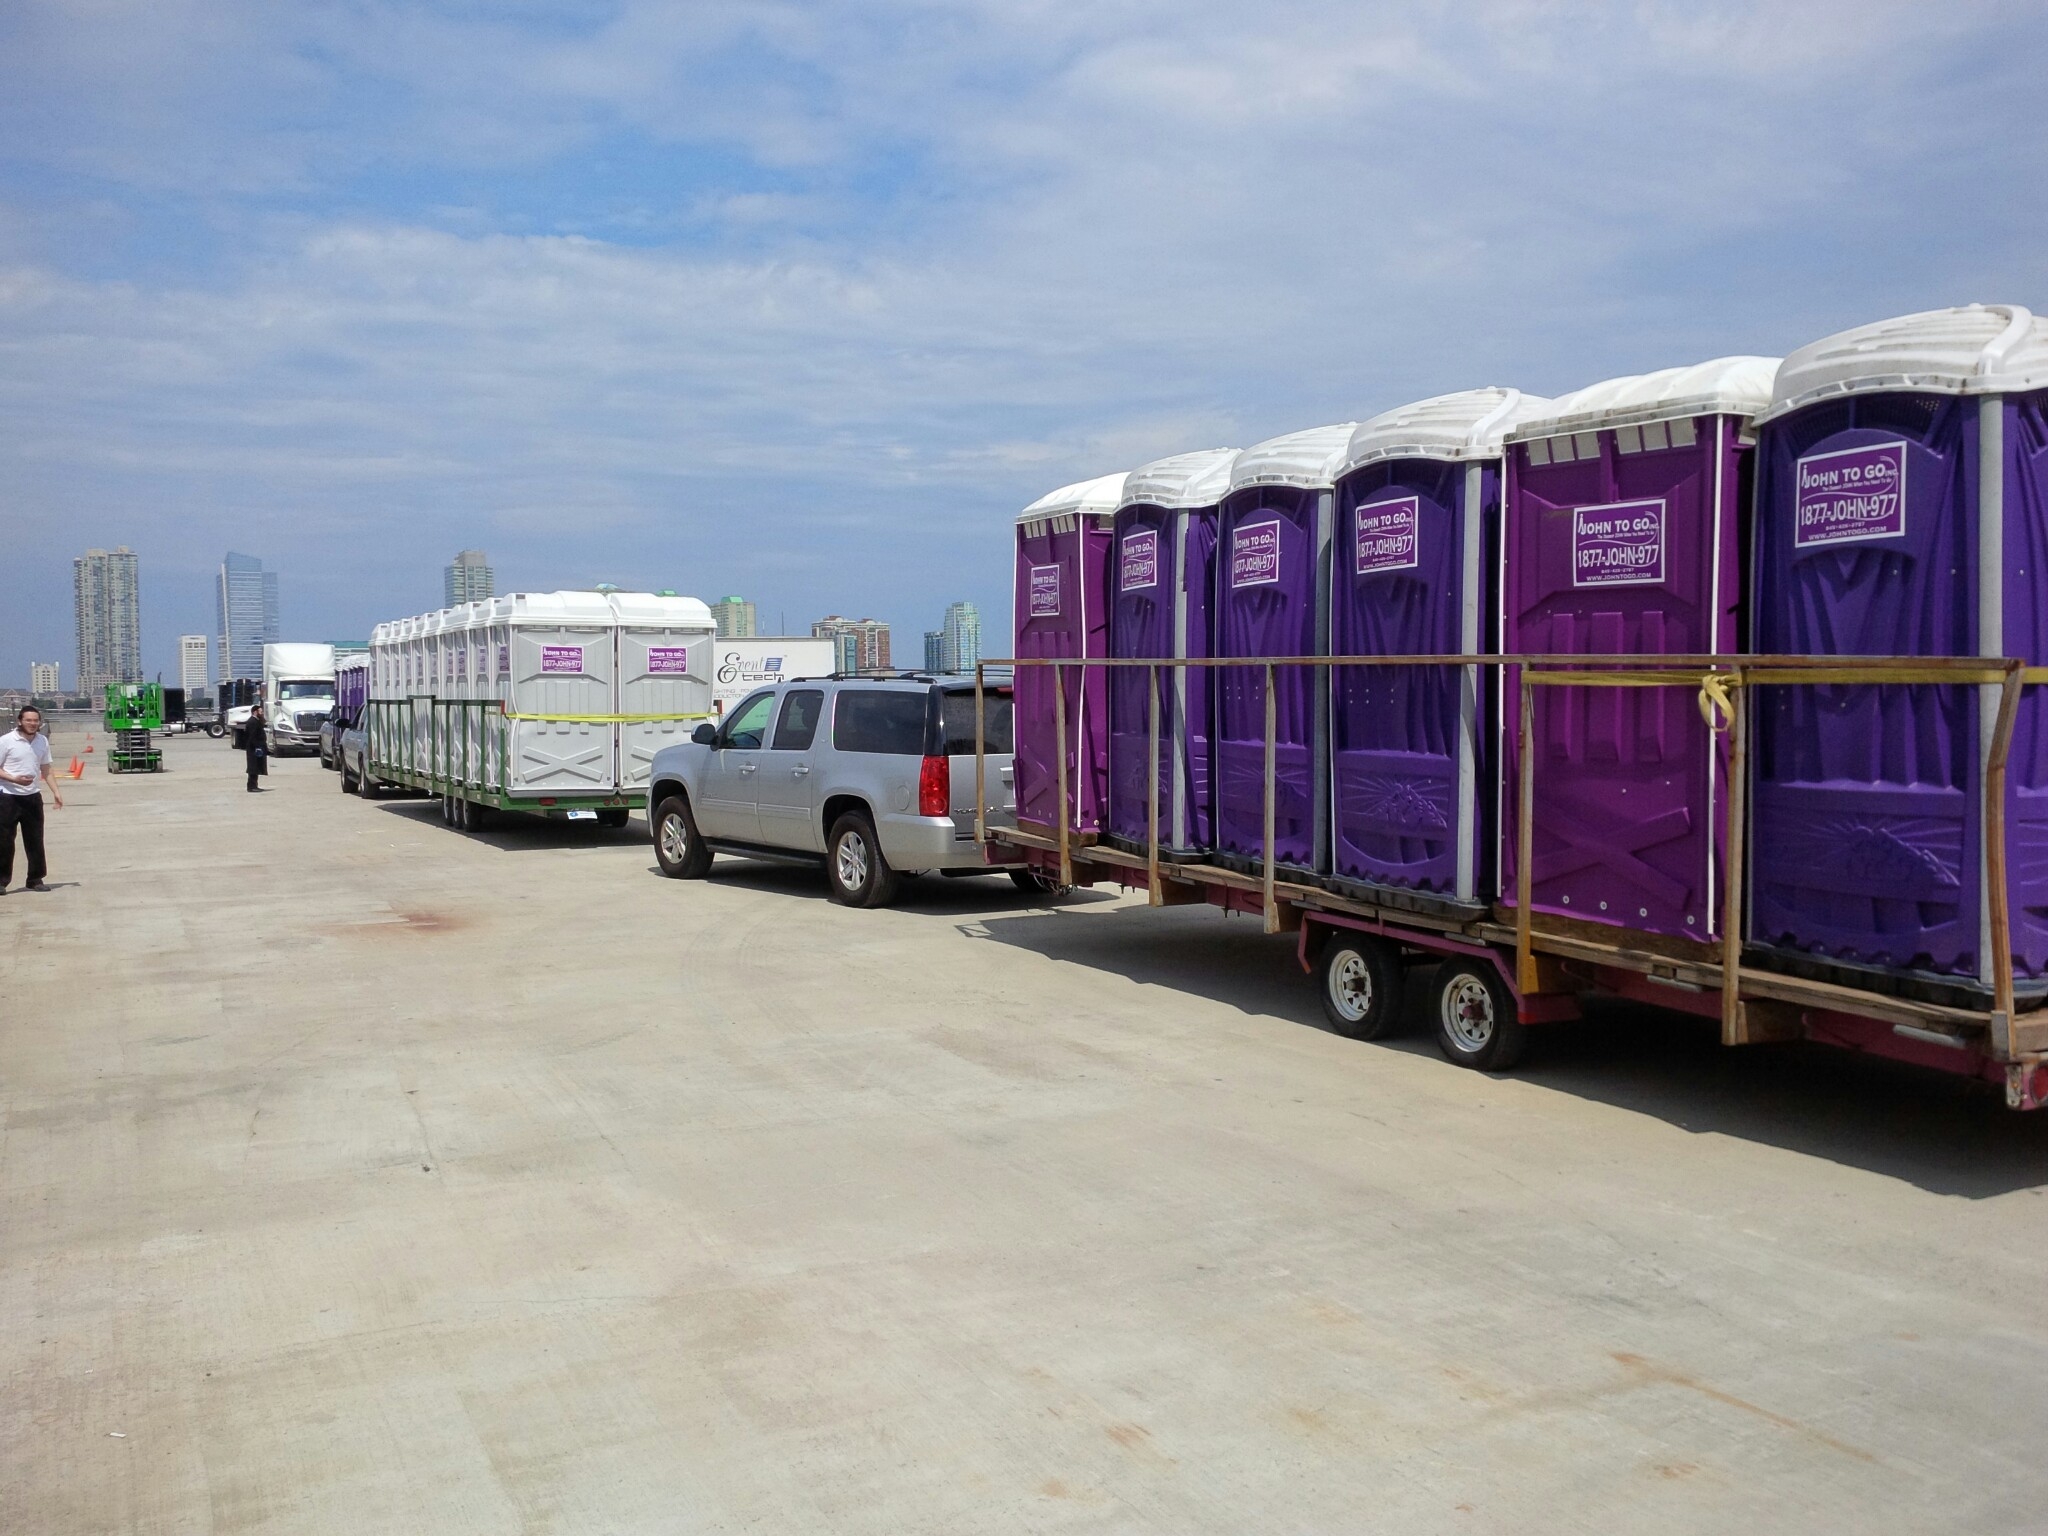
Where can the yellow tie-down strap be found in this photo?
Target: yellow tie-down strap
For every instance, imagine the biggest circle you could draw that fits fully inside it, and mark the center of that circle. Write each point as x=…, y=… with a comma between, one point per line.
x=608, y=719
x=1716, y=699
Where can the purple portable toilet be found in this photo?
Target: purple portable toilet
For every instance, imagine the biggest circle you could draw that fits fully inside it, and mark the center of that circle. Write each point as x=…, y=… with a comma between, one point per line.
x=1273, y=545
x=1620, y=536
x=1062, y=548
x=1902, y=510
x=1162, y=574
x=1417, y=541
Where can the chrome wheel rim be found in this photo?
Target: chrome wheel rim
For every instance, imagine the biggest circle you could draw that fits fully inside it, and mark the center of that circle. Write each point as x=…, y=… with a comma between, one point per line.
x=1468, y=1013
x=852, y=860
x=675, y=839
x=1351, y=986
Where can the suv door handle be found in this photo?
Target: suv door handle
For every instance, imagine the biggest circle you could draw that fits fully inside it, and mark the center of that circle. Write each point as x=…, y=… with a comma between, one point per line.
x=748, y=767
x=799, y=771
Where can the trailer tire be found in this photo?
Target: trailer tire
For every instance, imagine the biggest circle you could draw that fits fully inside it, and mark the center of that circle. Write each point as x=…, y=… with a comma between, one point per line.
x=856, y=873
x=678, y=846
x=472, y=815
x=612, y=817
x=216, y=730
x=1362, y=981
x=1476, y=1024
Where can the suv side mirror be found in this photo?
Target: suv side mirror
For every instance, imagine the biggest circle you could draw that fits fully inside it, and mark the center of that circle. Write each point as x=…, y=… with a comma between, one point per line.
x=706, y=735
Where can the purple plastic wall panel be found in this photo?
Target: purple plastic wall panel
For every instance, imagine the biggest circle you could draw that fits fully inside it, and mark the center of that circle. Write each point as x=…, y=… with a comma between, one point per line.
x=1266, y=590
x=1160, y=560
x=1060, y=613
x=1624, y=554
x=1397, y=589
x=351, y=690
x=1868, y=800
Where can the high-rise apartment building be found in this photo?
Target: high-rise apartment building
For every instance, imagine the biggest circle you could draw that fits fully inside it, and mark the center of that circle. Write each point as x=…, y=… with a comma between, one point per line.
x=192, y=665
x=42, y=679
x=247, y=599
x=108, y=605
x=935, y=650
x=470, y=579
x=860, y=645
x=734, y=617
x=960, y=645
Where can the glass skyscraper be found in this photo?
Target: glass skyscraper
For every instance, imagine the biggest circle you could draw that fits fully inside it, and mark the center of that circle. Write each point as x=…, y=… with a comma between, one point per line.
x=247, y=598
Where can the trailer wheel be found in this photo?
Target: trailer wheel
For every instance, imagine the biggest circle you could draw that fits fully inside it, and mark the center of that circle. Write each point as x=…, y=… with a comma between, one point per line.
x=612, y=817
x=855, y=870
x=1361, y=986
x=1475, y=1017
x=677, y=847
x=472, y=815
x=216, y=730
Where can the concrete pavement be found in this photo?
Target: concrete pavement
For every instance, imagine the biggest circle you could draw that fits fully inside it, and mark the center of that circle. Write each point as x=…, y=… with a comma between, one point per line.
x=357, y=1175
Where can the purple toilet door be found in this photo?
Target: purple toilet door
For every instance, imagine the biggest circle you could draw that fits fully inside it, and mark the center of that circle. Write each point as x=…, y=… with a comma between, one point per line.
x=1266, y=569
x=1622, y=554
x=1140, y=627
x=1060, y=614
x=1867, y=800
x=1396, y=591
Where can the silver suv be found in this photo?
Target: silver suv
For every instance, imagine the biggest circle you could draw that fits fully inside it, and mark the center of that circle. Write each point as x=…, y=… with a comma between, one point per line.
x=871, y=777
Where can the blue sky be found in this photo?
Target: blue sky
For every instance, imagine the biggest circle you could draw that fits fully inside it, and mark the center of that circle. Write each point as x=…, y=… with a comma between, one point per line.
x=804, y=301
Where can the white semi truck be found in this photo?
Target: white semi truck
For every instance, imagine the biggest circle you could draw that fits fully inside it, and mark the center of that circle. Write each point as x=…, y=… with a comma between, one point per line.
x=298, y=693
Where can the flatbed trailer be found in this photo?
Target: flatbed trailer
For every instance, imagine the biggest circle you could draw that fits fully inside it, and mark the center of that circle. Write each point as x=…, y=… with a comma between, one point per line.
x=459, y=750
x=1508, y=967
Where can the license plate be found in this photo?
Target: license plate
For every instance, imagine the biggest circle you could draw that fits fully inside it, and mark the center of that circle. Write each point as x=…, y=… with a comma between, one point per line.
x=581, y=815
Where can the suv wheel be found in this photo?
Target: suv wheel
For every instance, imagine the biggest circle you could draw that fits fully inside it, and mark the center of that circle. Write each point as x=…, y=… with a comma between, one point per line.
x=854, y=867
x=677, y=847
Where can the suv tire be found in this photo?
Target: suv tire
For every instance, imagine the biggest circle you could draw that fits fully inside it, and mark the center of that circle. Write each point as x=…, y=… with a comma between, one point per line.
x=678, y=847
x=366, y=783
x=855, y=871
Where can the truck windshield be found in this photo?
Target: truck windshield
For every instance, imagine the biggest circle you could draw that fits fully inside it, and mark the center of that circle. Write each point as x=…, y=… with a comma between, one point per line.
x=306, y=688
x=956, y=718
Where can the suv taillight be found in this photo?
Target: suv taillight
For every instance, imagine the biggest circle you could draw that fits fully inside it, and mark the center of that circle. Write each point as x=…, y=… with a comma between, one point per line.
x=935, y=787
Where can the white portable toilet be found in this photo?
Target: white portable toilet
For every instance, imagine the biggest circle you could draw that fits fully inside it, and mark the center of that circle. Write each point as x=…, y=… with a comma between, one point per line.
x=664, y=676
x=562, y=739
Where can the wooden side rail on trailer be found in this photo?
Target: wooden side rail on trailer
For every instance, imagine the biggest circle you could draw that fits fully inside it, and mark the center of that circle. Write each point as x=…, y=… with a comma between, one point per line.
x=1546, y=961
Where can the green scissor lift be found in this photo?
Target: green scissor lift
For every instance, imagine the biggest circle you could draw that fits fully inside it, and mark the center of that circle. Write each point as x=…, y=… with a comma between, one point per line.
x=133, y=711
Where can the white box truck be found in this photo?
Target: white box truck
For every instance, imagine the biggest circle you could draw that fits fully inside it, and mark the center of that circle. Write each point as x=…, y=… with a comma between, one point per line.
x=298, y=693
x=740, y=666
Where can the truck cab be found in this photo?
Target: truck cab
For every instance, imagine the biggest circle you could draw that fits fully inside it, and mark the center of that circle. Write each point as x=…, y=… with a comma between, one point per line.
x=298, y=694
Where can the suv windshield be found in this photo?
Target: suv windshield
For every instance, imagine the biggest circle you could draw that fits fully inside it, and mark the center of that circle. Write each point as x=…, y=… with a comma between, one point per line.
x=956, y=722
x=880, y=720
x=306, y=688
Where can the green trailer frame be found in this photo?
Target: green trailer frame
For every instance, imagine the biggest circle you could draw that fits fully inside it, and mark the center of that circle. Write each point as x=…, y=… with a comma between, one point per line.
x=465, y=739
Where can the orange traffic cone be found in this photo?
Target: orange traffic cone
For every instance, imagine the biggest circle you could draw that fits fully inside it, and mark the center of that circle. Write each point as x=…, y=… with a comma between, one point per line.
x=88, y=741
x=76, y=770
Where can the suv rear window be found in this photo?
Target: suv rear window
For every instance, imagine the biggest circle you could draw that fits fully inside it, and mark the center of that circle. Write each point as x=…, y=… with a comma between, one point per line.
x=880, y=720
x=956, y=722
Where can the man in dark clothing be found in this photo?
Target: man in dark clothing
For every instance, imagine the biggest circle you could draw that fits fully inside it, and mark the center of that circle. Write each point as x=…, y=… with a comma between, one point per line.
x=255, y=748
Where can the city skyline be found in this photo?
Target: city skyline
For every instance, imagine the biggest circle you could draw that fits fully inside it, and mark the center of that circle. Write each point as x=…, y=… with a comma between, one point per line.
x=107, y=606
x=859, y=645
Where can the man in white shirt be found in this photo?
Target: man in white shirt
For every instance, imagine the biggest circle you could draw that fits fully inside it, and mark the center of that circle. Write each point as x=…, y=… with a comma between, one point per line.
x=25, y=758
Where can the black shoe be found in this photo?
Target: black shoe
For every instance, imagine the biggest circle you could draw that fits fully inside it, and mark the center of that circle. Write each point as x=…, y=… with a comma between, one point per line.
x=35, y=885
